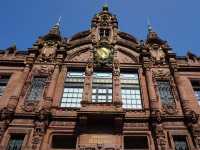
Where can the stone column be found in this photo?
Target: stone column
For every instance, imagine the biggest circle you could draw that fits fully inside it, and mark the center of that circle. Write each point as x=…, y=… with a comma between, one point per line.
x=21, y=79
x=59, y=86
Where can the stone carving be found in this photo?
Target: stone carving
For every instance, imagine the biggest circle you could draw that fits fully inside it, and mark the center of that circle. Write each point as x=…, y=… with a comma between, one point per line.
x=169, y=109
x=48, y=51
x=157, y=54
x=161, y=73
x=160, y=137
x=5, y=118
x=116, y=68
x=89, y=68
x=29, y=106
x=156, y=116
x=43, y=69
x=40, y=125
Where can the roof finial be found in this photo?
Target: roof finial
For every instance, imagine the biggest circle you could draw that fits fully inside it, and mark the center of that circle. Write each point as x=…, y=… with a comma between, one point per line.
x=59, y=20
x=105, y=6
x=149, y=24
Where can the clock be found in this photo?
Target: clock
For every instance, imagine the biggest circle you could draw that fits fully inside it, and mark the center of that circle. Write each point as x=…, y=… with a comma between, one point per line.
x=103, y=53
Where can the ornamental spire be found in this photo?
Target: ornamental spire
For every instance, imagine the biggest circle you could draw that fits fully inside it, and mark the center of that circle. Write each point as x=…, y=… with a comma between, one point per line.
x=105, y=7
x=59, y=20
x=149, y=25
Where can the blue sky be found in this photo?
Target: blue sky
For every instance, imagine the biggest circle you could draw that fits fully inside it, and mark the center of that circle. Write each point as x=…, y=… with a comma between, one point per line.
x=177, y=21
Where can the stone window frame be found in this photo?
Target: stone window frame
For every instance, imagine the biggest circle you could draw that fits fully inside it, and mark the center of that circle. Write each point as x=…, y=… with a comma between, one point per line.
x=185, y=133
x=16, y=130
x=139, y=72
x=147, y=134
x=59, y=132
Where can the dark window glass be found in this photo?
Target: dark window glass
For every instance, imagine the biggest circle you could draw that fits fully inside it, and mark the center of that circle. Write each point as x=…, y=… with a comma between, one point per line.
x=196, y=87
x=73, y=89
x=135, y=143
x=15, y=142
x=130, y=91
x=63, y=142
x=37, y=88
x=102, y=87
x=3, y=83
x=165, y=92
x=104, y=33
x=180, y=143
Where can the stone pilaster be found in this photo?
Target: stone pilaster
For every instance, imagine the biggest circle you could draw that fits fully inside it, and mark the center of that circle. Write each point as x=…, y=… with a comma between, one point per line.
x=51, y=88
x=154, y=104
x=189, y=108
x=21, y=79
x=87, y=93
x=116, y=84
x=59, y=86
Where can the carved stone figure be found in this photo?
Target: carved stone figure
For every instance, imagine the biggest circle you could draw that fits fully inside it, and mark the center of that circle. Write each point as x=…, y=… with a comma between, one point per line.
x=157, y=54
x=48, y=51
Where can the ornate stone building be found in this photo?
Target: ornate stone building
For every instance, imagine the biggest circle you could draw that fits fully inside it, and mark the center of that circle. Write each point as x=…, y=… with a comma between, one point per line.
x=100, y=89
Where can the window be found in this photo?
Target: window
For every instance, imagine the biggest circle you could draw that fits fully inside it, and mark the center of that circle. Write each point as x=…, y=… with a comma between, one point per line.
x=135, y=143
x=196, y=87
x=165, y=92
x=130, y=91
x=73, y=89
x=180, y=142
x=104, y=33
x=15, y=142
x=102, y=87
x=37, y=88
x=3, y=83
x=63, y=142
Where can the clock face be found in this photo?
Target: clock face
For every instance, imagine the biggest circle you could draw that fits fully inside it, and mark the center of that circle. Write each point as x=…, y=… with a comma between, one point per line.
x=103, y=52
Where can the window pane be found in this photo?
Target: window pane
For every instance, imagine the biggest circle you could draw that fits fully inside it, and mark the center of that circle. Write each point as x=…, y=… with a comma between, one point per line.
x=165, y=92
x=102, y=87
x=63, y=142
x=180, y=143
x=135, y=142
x=130, y=91
x=73, y=89
x=37, y=87
x=15, y=142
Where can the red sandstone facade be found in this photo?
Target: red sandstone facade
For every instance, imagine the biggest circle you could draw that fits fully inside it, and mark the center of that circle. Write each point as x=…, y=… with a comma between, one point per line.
x=99, y=125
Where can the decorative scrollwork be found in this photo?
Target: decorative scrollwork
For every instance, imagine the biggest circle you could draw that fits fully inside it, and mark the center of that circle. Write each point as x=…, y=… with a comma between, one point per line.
x=29, y=106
